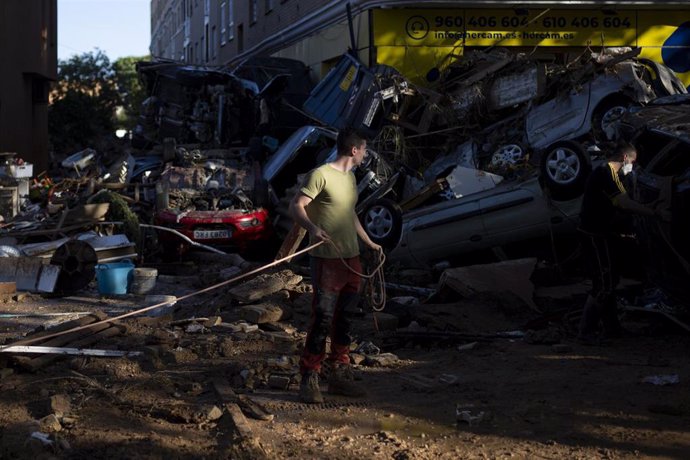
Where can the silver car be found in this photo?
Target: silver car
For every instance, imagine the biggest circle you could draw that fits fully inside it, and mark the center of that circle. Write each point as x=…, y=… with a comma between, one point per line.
x=510, y=212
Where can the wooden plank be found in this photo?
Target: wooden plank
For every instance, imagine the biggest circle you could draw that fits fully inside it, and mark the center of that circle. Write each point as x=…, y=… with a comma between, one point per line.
x=83, y=321
x=424, y=194
x=291, y=242
x=246, y=404
x=229, y=399
x=35, y=364
x=51, y=231
x=240, y=421
x=38, y=349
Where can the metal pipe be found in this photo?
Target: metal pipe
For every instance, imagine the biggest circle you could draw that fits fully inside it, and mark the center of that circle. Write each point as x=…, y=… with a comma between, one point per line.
x=351, y=26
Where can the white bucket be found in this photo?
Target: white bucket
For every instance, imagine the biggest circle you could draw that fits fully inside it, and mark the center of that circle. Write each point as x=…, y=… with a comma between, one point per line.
x=143, y=280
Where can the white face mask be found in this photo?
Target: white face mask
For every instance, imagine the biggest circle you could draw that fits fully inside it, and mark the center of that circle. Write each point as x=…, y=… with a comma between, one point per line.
x=627, y=169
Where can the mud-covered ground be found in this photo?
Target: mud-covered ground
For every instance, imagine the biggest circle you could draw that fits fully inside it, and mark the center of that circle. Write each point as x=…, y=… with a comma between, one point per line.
x=464, y=394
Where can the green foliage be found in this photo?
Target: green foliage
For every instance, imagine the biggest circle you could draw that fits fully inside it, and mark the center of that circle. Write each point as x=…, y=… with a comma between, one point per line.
x=130, y=89
x=89, y=91
x=119, y=212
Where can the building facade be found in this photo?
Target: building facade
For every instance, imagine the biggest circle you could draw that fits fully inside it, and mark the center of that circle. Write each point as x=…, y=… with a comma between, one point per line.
x=418, y=38
x=28, y=46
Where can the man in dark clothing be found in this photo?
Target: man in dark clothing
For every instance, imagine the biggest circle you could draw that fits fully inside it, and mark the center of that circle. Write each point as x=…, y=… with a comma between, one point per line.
x=604, y=196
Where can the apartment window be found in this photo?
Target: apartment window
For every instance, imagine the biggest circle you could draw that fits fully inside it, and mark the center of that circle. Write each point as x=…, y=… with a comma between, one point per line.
x=231, y=19
x=223, y=22
x=240, y=38
x=40, y=88
x=214, y=40
x=253, y=11
x=269, y=6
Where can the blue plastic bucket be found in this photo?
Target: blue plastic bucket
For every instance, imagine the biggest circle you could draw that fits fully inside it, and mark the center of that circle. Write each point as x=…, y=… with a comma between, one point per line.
x=114, y=278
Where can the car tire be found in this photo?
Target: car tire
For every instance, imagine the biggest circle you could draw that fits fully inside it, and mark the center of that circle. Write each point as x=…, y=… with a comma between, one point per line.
x=564, y=170
x=606, y=114
x=382, y=221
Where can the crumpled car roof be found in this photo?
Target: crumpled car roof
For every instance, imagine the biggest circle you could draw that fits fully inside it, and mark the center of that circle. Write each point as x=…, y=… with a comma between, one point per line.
x=671, y=118
x=185, y=74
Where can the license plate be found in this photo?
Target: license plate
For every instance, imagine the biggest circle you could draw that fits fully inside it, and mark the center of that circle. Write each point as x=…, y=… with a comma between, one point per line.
x=211, y=234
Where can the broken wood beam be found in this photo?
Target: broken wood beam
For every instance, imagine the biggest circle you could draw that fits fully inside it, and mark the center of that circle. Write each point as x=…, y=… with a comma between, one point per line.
x=83, y=321
x=234, y=420
x=291, y=242
x=32, y=365
x=33, y=349
x=246, y=404
x=424, y=194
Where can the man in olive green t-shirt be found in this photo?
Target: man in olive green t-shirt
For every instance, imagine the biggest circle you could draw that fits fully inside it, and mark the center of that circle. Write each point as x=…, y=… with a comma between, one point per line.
x=325, y=207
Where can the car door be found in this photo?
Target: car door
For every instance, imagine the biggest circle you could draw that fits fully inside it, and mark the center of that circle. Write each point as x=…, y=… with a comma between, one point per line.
x=666, y=180
x=516, y=213
x=443, y=230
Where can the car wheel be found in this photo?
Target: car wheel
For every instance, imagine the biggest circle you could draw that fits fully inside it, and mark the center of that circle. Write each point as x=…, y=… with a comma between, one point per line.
x=564, y=168
x=382, y=221
x=606, y=115
x=507, y=155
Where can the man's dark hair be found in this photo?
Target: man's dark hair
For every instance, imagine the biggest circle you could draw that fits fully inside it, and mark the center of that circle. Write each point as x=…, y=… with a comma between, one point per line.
x=348, y=138
x=625, y=148
x=616, y=150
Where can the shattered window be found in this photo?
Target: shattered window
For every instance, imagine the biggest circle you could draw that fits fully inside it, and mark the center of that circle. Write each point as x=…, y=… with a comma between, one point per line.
x=214, y=40
x=204, y=47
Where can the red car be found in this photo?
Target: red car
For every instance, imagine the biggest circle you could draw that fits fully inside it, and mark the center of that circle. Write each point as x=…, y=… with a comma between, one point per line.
x=207, y=204
x=233, y=228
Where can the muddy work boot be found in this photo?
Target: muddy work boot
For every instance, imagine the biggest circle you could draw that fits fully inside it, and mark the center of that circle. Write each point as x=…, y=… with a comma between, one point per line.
x=342, y=382
x=309, y=391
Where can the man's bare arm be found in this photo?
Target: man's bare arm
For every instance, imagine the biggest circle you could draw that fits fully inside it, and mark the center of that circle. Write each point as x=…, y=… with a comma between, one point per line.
x=363, y=235
x=299, y=214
